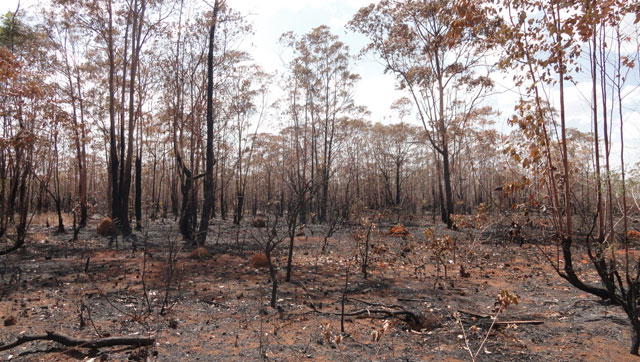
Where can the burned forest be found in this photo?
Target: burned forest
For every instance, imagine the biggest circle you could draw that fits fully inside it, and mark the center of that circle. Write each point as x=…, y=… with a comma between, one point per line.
x=402, y=180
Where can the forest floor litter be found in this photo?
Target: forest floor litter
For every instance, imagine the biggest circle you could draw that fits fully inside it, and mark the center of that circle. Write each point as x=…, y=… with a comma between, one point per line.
x=216, y=303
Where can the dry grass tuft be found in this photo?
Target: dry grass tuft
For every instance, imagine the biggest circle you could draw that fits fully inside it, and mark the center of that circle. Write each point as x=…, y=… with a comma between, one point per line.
x=259, y=261
x=200, y=253
x=39, y=237
x=259, y=222
x=51, y=218
x=106, y=227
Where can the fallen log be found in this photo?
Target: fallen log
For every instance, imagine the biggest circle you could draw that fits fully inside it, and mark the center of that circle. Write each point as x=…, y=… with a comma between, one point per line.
x=76, y=342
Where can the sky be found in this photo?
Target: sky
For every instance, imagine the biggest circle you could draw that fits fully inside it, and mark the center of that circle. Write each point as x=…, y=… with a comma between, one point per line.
x=376, y=90
x=271, y=19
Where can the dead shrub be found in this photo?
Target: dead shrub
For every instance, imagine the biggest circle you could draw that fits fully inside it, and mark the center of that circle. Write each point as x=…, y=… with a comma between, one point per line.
x=107, y=227
x=379, y=249
x=200, y=253
x=259, y=222
x=398, y=230
x=10, y=321
x=259, y=261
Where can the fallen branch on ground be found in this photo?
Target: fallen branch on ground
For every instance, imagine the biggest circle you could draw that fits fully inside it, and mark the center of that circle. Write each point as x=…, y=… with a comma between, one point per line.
x=17, y=244
x=474, y=314
x=415, y=321
x=484, y=316
x=534, y=322
x=84, y=343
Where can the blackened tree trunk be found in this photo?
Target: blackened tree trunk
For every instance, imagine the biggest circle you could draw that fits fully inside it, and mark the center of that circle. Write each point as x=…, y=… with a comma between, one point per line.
x=296, y=204
x=398, y=185
x=186, y=215
x=223, y=204
x=448, y=194
x=58, y=203
x=138, y=204
x=125, y=184
x=237, y=217
x=82, y=187
x=24, y=202
x=23, y=186
x=635, y=324
x=3, y=176
x=324, y=198
x=185, y=223
x=82, y=154
x=207, y=205
x=215, y=188
x=113, y=149
x=274, y=278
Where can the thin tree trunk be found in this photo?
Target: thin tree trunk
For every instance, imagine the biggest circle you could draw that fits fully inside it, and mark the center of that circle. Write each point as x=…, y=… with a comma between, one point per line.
x=290, y=256
x=138, y=201
x=3, y=175
x=596, y=140
x=210, y=160
x=398, y=185
x=125, y=184
x=58, y=203
x=274, y=278
x=113, y=150
x=239, y=208
x=325, y=194
x=446, y=174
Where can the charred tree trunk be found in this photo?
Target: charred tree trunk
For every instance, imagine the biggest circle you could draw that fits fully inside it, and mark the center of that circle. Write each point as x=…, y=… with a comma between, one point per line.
x=210, y=160
x=13, y=192
x=125, y=184
x=398, y=186
x=324, y=197
x=186, y=215
x=174, y=197
x=113, y=149
x=81, y=150
x=292, y=224
x=223, y=205
x=274, y=278
x=447, y=187
x=60, y=229
x=23, y=205
x=22, y=209
x=3, y=176
x=239, y=208
x=138, y=201
x=635, y=334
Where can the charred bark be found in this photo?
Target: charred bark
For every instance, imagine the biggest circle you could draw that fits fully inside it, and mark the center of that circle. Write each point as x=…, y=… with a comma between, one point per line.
x=210, y=161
